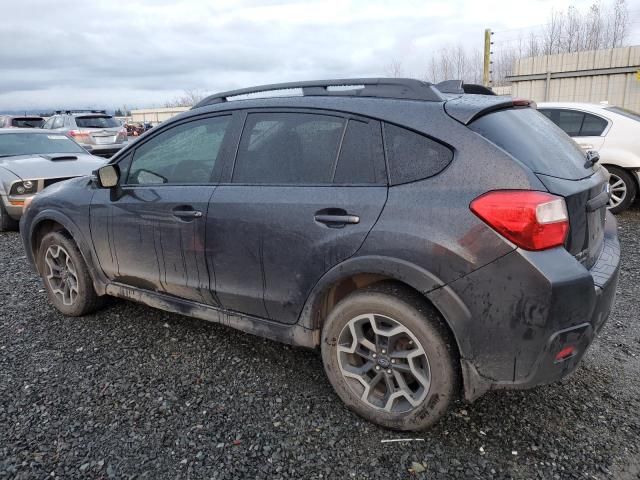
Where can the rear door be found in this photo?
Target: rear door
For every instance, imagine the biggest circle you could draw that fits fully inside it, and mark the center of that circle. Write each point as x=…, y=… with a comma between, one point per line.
x=305, y=190
x=150, y=233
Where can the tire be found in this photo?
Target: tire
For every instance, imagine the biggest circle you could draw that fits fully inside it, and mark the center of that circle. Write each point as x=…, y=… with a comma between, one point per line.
x=392, y=308
x=623, y=186
x=65, y=276
x=6, y=222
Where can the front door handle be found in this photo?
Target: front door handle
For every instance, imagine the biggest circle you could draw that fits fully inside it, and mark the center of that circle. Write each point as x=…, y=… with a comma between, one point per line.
x=186, y=214
x=337, y=220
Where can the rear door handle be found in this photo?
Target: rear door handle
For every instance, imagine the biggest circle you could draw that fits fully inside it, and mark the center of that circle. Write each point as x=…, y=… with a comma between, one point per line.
x=337, y=220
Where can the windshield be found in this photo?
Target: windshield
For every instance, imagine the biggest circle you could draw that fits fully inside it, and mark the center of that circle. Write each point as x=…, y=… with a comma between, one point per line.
x=36, y=143
x=96, y=122
x=625, y=113
x=34, y=122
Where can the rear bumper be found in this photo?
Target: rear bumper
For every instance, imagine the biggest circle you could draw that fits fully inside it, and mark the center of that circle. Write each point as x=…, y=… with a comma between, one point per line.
x=105, y=150
x=527, y=307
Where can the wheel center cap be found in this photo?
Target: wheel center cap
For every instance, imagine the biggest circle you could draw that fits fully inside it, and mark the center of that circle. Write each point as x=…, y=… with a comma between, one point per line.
x=384, y=362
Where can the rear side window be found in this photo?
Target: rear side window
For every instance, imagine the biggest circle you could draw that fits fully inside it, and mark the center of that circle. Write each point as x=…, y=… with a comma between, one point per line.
x=361, y=159
x=592, y=126
x=96, y=121
x=576, y=123
x=58, y=122
x=34, y=122
x=412, y=156
x=288, y=148
x=534, y=140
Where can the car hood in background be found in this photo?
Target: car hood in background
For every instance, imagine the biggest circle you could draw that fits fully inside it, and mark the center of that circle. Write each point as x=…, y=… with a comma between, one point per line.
x=47, y=166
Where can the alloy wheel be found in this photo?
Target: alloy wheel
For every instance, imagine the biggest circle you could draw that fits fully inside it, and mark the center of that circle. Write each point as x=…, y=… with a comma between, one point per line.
x=618, y=191
x=383, y=363
x=61, y=274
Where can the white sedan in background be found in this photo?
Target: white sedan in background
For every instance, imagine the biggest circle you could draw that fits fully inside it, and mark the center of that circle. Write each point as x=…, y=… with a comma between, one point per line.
x=614, y=133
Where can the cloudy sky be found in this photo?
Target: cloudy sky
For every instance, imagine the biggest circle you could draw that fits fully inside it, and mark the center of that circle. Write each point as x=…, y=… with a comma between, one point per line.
x=145, y=52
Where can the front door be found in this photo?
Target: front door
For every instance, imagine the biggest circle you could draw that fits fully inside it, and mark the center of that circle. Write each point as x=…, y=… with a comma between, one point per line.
x=305, y=191
x=150, y=232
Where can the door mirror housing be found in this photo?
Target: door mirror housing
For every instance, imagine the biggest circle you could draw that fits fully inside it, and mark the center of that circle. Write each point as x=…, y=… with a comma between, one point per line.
x=108, y=176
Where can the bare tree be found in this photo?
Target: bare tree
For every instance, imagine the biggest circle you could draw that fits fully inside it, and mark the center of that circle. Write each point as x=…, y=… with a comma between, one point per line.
x=187, y=99
x=394, y=69
x=620, y=23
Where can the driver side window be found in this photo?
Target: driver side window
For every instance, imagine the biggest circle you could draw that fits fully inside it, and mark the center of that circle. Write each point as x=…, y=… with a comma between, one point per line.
x=184, y=154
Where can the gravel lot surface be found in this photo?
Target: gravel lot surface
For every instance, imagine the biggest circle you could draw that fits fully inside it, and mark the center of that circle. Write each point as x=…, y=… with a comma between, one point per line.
x=132, y=392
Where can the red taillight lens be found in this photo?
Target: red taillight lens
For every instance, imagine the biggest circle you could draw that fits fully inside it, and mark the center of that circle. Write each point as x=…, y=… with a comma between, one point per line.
x=79, y=135
x=532, y=220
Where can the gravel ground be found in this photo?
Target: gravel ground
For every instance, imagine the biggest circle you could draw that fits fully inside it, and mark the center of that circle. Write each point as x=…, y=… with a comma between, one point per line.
x=132, y=392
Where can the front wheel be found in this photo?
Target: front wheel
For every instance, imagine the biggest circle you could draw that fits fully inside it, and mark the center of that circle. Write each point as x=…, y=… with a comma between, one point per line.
x=65, y=276
x=390, y=358
x=6, y=222
x=623, y=189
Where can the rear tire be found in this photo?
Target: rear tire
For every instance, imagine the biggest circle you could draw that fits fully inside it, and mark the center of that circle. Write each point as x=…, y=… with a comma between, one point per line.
x=66, y=276
x=6, y=222
x=623, y=189
x=391, y=339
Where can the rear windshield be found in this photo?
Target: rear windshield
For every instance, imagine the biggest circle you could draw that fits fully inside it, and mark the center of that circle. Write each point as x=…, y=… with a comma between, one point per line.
x=534, y=140
x=33, y=122
x=96, y=122
x=36, y=144
x=625, y=113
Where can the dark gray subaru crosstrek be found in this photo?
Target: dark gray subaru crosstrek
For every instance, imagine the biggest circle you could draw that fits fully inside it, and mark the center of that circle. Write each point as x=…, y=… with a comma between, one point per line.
x=432, y=242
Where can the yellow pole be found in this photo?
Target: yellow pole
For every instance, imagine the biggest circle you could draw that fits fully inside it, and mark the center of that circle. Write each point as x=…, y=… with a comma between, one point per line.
x=487, y=57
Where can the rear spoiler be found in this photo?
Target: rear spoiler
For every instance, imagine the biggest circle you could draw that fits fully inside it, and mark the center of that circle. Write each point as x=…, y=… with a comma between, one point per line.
x=468, y=108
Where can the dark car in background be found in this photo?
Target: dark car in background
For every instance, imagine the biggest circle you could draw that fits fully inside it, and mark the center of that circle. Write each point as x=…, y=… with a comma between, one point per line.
x=30, y=161
x=428, y=240
x=96, y=131
x=21, y=121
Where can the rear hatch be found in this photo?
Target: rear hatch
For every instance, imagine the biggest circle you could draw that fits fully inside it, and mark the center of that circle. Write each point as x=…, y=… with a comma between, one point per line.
x=101, y=129
x=561, y=166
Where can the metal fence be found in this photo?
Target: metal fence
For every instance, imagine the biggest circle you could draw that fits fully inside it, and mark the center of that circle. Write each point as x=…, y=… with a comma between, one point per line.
x=595, y=76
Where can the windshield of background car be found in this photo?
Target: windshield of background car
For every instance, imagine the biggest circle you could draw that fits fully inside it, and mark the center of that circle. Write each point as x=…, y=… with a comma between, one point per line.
x=35, y=122
x=96, y=121
x=625, y=113
x=36, y=144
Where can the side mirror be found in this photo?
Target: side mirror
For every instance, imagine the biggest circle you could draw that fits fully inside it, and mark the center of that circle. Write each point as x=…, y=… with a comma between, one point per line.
x=108, y=176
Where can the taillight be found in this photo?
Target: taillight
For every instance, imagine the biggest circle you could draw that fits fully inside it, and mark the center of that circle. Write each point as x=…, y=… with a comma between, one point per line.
x=530, y=219
x=79, y=135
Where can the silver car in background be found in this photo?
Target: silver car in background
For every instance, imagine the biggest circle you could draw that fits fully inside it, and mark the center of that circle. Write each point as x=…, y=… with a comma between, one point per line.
x=95, y=130
x=30, y=161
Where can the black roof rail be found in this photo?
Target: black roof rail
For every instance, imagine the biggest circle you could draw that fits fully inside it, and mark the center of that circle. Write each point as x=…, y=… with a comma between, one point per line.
x=400, y=88
x=458, y=86
x=450, y=86
x=477, y=89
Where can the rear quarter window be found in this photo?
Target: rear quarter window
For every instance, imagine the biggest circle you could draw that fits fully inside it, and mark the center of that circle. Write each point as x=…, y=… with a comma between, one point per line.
x=412, y=156
x=534, y=140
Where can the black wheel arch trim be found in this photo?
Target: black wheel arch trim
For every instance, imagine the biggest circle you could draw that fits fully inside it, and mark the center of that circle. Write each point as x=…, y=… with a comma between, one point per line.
x=84, y=245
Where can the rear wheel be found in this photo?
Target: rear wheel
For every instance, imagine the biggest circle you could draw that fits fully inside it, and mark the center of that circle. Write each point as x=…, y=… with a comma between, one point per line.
x=6, y=222
x=65, y=276
x=623, y=189
x=390, y=358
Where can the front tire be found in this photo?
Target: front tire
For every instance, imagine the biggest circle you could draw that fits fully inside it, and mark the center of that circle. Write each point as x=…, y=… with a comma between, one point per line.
x=66, y=276
x=390, y=358
x=6, y=222
x=623, y=189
